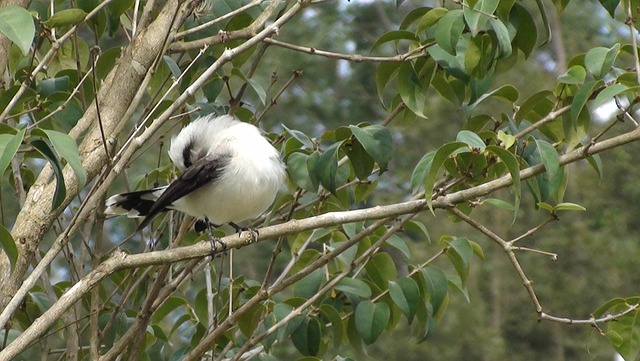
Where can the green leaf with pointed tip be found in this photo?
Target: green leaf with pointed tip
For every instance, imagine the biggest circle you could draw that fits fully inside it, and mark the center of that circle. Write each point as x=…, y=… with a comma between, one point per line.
x=471, y=139
x=581, y=98
x=599, y=60
x=596, y=163
x=371, y=320
x=17, y=25
x=508, y=93
x=376, y=141
x=67, y=17
x=548, y=156
x=442, y=154
x=307, y=337
x=396, y=35
x=413, y=16
x=610, y=6
x=337, y=324
x=61, y=190
x=526, y=32
x=361, y=162
x=327, y=167
x=541, y=99
x=574, y=75
x=384, y=73
x=609, y=93
x=255, y=85
x=67, y=149
x=460, y=253
x=354, y=287
x=405, y=294
x=420, y=171
x=430, y=18
x=478, y=15
x=299, y=173
x=173, y=66
x=9, y=145
x=510, y=160
x=566, y=206
x=504, y=39
x=412, y=90
x=624, y=333
x=437, y=286
x=168, y=306
x=381, y=269
x=8, y=246
x=449, y=30
x=499, y=203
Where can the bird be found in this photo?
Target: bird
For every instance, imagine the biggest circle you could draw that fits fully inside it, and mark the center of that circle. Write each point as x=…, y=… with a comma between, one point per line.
x=229, y=173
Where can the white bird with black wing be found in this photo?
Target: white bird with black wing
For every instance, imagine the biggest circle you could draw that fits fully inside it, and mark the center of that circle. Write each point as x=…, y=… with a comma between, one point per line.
x=229, y=173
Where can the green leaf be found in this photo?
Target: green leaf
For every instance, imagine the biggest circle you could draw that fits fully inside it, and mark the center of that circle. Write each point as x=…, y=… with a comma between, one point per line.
x=354, y=287
x=548, y=156
x=381, y=269
x=9, y=145
x=299, y=173
x=412, y=90
x=540, y=100
x=67, y=17
x=66, y=148
x=430, y=18
x=327, y=167
x=255, y=85
x=582, y=97
x=477, y=15
x=442, y=154
x=361, y=162
x=510, y=160
x=61, y=190
x=8, y=245
x=371, y=320
x=337, y=324
x=384, y=73
x=17, y=25
x=599, y=60
x=449, y=30
x=420, y=171
x=574, y=75
x=526, y=32
x=471, y=139
x=609, y=93
x=307, y=337
x=596, y=163
x=310, y=284
x=610, y=6
x=437, y=286
x=168, y=306
x=479, y=56
x=460, y=253
x=508, y=93
x=376, y=141
x=396, y=35
x=499, y=203
x=504, y=39
x=565, y=206
x=413, y=16
x=624, y=333
x=173, y=66
x=300, y=136
x=405, y=294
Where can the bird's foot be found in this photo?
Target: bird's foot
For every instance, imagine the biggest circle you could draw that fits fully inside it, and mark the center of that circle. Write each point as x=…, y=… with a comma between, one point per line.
x=254, y=232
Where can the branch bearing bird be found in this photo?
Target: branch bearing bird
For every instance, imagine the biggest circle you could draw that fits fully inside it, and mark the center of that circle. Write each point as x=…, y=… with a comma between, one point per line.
x=229, y=173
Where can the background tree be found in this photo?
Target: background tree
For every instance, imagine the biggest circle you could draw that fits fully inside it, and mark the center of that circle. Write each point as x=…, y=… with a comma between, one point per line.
x=387, y=114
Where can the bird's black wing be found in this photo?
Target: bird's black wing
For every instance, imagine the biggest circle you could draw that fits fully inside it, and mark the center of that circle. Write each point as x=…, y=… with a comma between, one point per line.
x=202, y=172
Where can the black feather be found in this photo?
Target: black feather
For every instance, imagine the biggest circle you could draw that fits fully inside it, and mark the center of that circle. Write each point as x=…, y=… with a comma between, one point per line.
x=202, y=172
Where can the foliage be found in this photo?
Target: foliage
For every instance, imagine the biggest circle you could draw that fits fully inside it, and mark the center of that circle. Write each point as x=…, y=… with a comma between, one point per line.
x=91, y=85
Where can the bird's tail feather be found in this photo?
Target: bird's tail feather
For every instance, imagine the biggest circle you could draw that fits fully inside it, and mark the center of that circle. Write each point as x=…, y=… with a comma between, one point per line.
x=133, y=204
